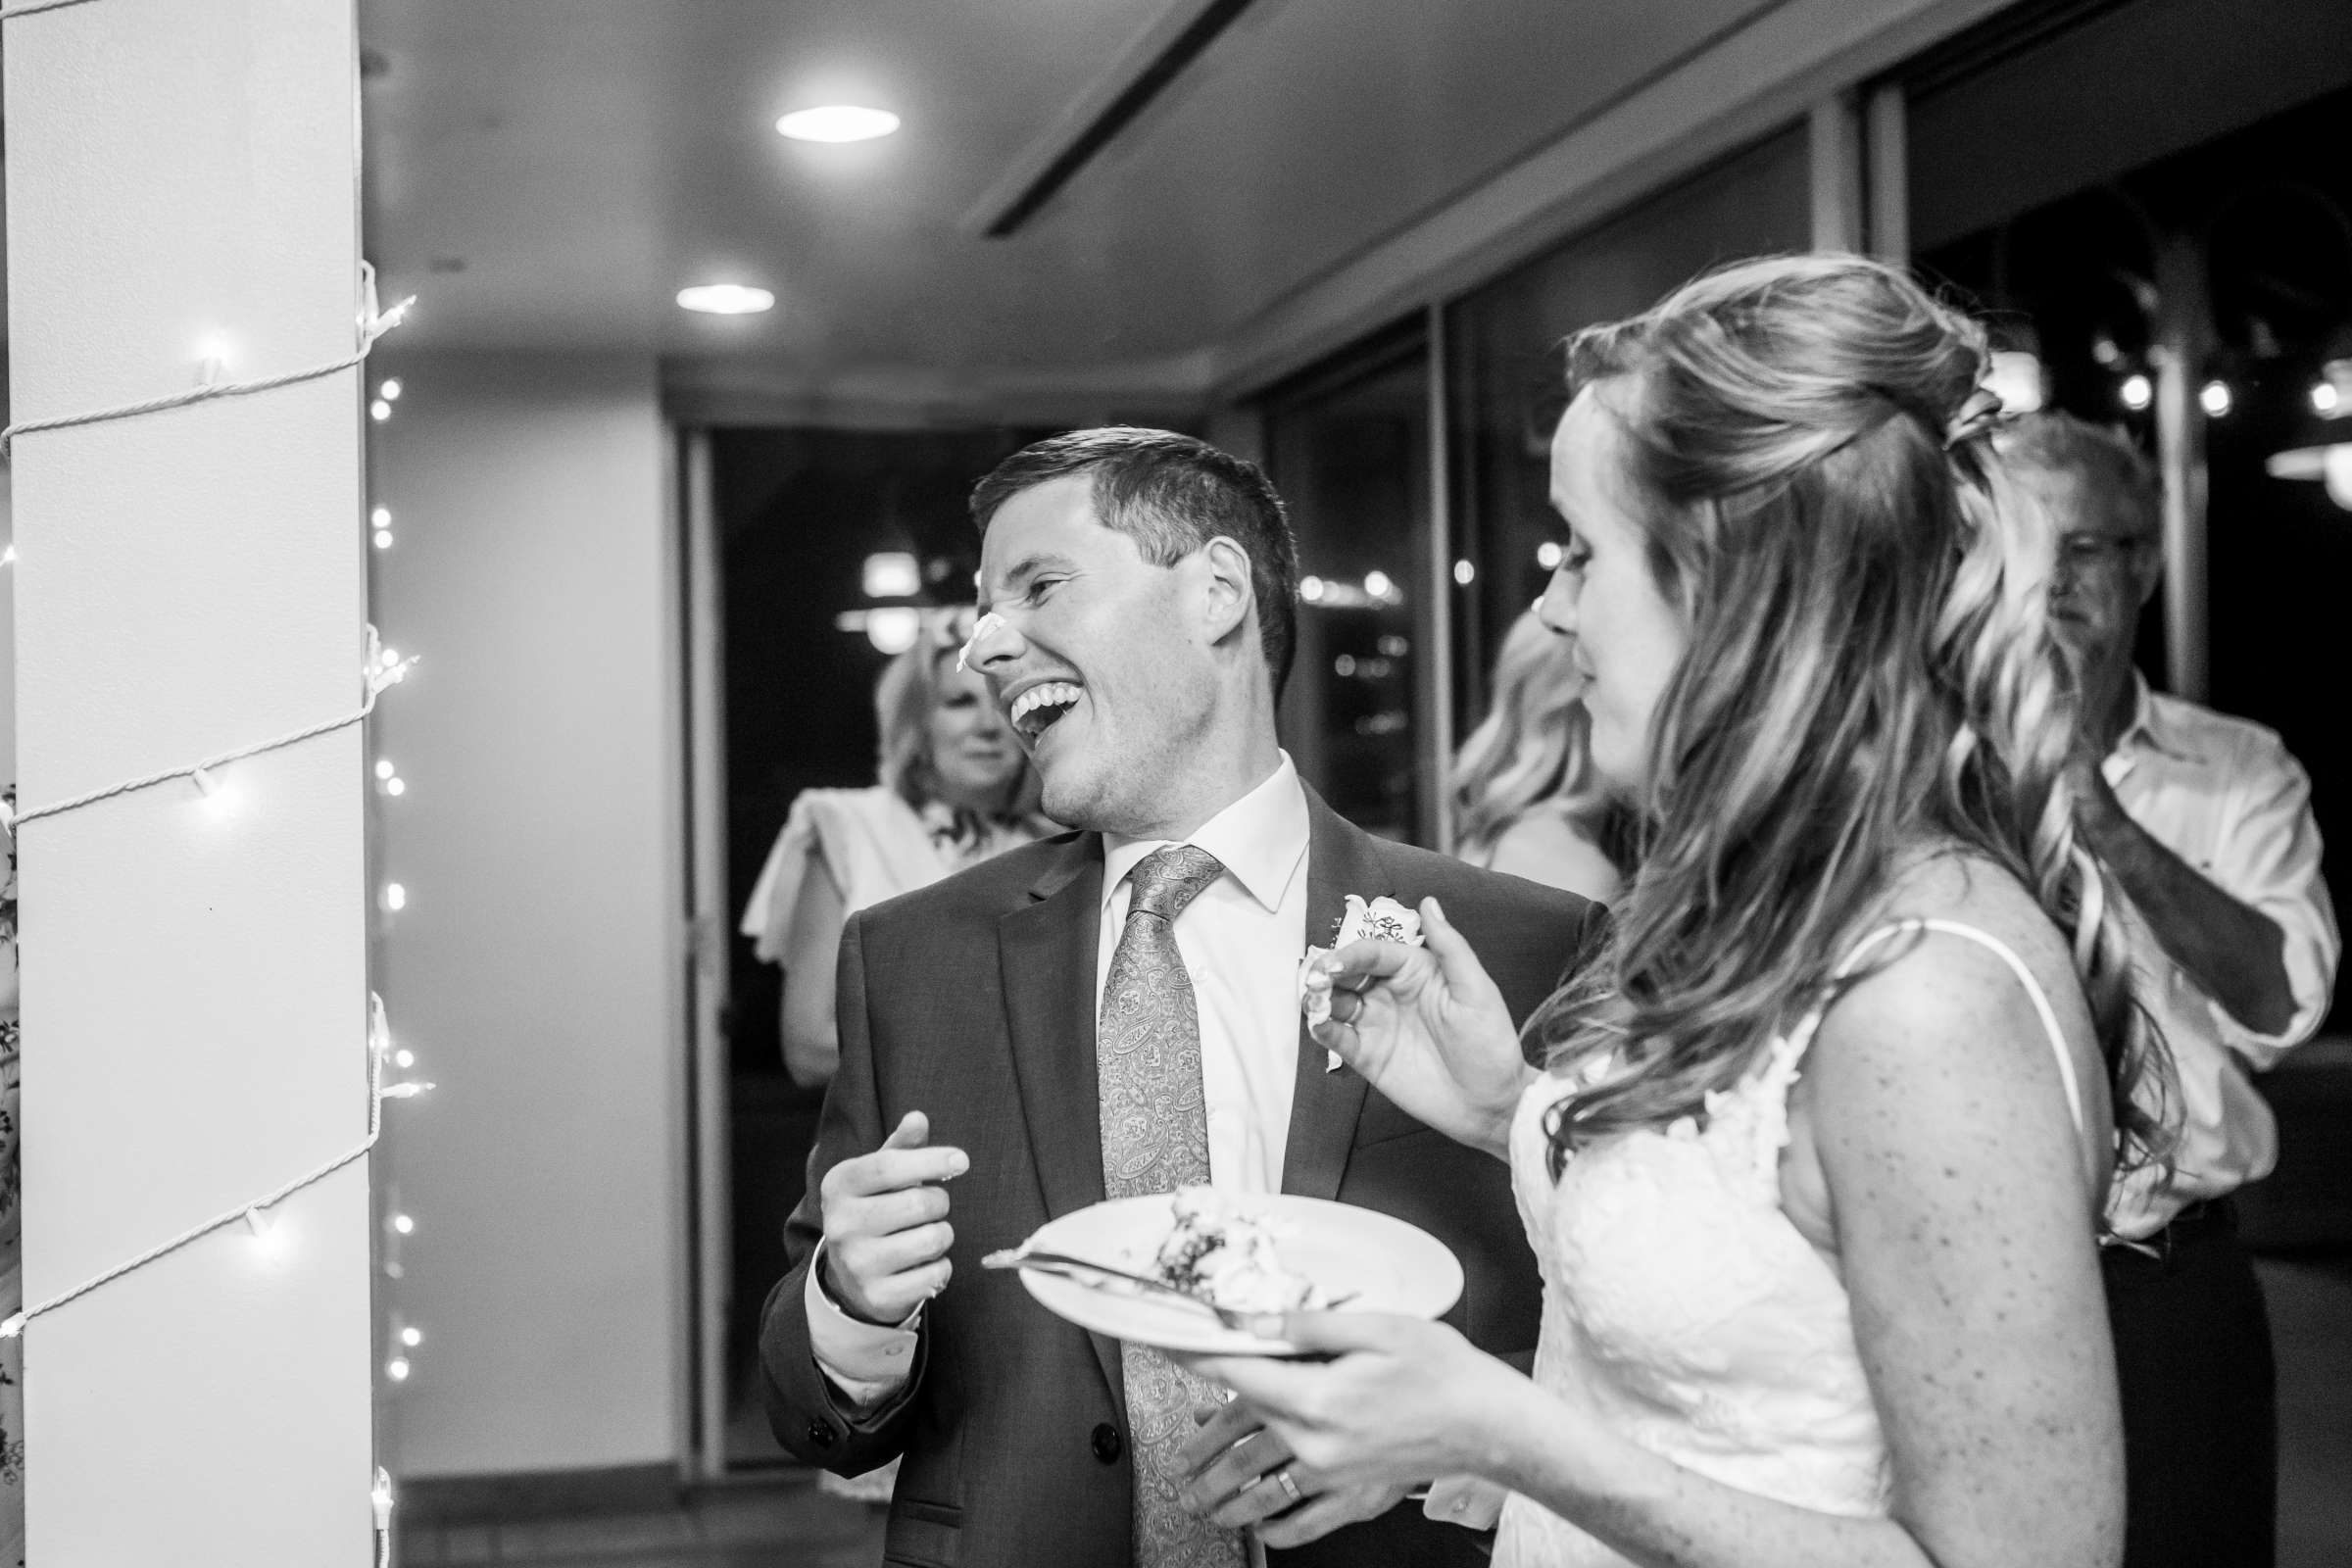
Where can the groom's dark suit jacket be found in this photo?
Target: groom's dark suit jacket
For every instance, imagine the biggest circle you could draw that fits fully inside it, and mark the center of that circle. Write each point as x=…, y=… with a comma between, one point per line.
x=973, y=1001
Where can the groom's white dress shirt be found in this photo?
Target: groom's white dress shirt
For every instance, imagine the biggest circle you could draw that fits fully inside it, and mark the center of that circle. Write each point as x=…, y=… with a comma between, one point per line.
x=1242, y=940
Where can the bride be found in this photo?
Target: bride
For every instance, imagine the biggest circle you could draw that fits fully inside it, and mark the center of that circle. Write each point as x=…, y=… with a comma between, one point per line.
x=1815, y=1168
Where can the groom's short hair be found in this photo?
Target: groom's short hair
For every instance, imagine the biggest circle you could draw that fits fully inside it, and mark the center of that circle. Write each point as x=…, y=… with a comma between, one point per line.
x=1172, y=494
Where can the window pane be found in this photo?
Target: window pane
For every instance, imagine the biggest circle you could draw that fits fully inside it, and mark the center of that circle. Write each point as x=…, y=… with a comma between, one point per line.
x=1505, y=375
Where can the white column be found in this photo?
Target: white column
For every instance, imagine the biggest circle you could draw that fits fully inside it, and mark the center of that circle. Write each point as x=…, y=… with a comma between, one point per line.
x=1834, y=135
x=1886, y=130
x=183, y=182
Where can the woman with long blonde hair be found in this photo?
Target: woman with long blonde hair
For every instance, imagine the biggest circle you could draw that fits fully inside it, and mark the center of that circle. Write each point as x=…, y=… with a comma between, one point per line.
x=1815, y=1166
x=1524, y=797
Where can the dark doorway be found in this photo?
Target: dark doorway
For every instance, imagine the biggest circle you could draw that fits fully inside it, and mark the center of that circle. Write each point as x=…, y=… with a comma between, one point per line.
x=796, y=514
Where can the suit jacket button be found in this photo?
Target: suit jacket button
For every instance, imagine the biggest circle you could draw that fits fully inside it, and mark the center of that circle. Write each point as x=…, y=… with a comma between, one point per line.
x=821, y=1433
x=1107, y=1443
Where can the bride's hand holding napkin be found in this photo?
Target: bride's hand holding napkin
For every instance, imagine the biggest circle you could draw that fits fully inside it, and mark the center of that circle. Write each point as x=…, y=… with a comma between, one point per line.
x=1425, y=1025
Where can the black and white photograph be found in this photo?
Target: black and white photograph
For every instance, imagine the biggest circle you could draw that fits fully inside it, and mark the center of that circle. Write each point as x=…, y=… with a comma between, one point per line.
x=1175, y=784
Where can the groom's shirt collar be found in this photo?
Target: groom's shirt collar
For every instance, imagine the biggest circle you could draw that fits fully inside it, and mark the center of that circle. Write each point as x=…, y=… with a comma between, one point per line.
x=1259, y=838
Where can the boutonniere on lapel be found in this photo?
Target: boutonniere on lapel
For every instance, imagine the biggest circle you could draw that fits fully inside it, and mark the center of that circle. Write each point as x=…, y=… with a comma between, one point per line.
x=1380, y=921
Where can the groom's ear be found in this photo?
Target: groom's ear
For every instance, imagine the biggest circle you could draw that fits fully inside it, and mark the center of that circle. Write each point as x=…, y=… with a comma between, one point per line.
x=1229, y=593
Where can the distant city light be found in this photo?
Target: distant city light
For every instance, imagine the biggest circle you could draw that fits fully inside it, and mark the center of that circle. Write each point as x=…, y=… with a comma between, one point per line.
x=893, y=628
x=891, y=575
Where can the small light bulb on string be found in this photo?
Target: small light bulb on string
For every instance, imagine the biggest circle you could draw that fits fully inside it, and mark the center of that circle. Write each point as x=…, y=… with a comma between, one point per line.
x=1465, y=573
x=383, y=538
x=380, y=411
x=397, y=1369
x=396, y=897
x=404, y=1225
x=214, y=788
x=13, y=1326
x=257, y=1220
x=384, y=767
x=8, y=556
x=395, y=786
x=390, y=390
x=403, y=1058
x=212, y=359
x=380, y=517
x=407, y=1092
x=380, y=1497
x=412, y=1337
x=1549, y=555
x=384, y=666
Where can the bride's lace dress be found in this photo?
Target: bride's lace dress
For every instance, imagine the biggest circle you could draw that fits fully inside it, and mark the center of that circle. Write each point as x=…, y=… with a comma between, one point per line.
x=1681, y=1303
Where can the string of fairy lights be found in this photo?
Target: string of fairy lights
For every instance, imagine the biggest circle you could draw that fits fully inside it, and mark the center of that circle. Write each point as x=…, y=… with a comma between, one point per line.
x=381, y=668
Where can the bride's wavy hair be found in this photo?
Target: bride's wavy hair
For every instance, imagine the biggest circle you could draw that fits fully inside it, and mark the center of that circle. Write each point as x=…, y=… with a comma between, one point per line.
x=1868, y=667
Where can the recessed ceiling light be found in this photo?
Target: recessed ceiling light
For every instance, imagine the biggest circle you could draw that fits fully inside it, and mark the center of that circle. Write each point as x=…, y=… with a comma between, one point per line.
x=838, y=123
x=726, y=299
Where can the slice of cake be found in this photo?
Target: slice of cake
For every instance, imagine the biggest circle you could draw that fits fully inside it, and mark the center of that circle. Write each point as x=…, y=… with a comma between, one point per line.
x=1225, y=1254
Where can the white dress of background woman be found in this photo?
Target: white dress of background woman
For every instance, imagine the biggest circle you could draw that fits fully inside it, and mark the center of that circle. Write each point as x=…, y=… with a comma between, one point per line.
x=955, y=789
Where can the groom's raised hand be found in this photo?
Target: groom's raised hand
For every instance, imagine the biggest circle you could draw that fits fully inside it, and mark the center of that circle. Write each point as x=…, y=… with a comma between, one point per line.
x=886, y=1224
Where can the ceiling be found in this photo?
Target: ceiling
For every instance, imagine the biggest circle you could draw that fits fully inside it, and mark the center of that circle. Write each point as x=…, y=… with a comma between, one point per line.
x=548, y=173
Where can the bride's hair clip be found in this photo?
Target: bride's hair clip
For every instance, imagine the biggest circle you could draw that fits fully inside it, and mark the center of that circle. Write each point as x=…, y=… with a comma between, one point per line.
x=1976, y=417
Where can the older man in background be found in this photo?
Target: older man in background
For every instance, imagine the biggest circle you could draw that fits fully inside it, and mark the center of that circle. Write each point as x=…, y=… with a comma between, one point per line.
x=2205, y=821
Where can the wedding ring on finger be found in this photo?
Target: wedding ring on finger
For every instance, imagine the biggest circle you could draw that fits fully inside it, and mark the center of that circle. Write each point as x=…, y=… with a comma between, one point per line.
x=1289, y=1488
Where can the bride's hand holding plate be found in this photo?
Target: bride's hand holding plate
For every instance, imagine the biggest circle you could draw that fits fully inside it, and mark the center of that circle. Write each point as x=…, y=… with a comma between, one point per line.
x=1240, y=1475
x=1427, y=1027
x=1394, y=1402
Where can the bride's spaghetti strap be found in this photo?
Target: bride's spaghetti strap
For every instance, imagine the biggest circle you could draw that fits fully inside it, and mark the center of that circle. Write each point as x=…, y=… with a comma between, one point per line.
x=2017, y=967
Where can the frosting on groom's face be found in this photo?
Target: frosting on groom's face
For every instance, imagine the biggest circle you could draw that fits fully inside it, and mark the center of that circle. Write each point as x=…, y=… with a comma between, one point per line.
x=1091, y=656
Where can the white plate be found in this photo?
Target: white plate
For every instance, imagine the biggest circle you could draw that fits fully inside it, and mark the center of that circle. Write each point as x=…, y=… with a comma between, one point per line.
x=1389, y=1265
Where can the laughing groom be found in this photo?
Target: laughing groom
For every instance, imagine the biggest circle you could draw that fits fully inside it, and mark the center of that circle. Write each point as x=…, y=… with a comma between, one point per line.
x=1114, y=1013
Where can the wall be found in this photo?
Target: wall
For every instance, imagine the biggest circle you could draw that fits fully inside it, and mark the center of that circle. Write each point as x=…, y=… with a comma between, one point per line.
x=534, y=968
x=189, y=583
x=8, y=631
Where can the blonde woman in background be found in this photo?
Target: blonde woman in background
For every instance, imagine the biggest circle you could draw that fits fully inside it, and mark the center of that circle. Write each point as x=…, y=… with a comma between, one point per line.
x=955, y=789
x=1524, y=797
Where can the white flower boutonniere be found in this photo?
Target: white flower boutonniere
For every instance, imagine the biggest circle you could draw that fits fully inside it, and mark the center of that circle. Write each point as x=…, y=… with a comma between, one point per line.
x=1380, y=921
